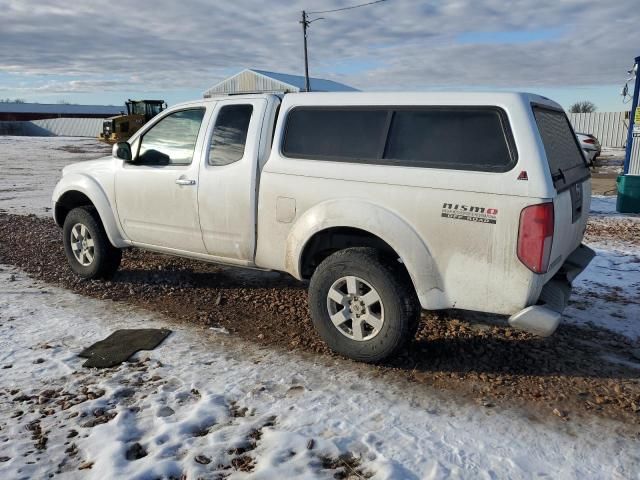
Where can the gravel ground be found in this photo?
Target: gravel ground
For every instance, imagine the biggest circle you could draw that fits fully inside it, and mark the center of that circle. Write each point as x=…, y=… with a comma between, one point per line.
x=611, y=229
x=473, y=356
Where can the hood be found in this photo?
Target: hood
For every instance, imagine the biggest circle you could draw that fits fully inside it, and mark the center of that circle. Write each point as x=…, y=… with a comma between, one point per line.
x=89, y=166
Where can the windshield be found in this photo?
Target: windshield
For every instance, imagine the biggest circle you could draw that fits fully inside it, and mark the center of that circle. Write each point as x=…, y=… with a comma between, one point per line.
x=154, y=109
x=137, y=108
x=566, y=161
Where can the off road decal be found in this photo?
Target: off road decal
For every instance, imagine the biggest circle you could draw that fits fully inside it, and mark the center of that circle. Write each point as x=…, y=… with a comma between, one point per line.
x=469, y=213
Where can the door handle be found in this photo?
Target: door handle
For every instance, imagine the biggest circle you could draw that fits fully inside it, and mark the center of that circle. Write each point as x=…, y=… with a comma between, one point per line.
x=185, y=181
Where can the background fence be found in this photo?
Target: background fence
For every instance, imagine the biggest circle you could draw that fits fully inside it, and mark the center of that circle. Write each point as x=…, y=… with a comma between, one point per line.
x=609, y=127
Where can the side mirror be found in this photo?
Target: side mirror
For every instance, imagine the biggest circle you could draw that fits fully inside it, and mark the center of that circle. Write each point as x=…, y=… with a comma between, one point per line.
x=122, y=150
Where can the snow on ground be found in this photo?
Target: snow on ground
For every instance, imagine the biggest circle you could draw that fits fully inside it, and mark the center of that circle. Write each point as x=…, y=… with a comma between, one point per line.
x=605, y=205
x=204, y=403
x=197, y=402
x=30, y=168
x=607, y=293
x=610, y=161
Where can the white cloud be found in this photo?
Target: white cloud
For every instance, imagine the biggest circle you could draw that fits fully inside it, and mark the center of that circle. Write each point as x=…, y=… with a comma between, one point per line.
x=162, y=45
x=74, y=86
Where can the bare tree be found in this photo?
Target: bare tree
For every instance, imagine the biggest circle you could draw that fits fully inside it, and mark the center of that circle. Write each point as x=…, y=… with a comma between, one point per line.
x=583, y=106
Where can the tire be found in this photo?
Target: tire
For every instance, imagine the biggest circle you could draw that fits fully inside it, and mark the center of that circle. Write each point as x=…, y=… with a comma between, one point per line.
x=342, y=286
x=94, y=255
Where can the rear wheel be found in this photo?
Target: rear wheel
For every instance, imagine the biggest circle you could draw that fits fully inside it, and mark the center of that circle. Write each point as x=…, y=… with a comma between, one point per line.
x=363, y=304
x=86, y=245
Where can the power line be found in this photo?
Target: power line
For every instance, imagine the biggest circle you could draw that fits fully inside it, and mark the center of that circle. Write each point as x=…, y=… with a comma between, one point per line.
x=305, y=21
x=346, y=8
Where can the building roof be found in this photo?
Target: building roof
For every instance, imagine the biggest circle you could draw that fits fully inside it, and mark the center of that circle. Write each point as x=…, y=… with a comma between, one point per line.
x=316, y=84
x=62, y=109
x=252, y=80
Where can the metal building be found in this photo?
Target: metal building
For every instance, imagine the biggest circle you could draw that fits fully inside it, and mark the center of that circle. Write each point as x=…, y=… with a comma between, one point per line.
x=12, y=111
x=45, y=119
x=53, y=127
x=71, y=127
x=252, y=80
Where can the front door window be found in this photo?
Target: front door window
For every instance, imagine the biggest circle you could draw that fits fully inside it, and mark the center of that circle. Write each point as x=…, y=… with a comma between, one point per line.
x=172, y=140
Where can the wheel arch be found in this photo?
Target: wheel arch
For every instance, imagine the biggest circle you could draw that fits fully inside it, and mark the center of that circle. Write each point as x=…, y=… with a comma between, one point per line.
x=355, y=222
x=67, y=202
x=332, y=239
x=77, y=190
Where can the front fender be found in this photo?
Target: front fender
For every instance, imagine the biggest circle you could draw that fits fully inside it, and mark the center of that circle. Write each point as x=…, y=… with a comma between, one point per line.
x=384, y=224
x=95, y=192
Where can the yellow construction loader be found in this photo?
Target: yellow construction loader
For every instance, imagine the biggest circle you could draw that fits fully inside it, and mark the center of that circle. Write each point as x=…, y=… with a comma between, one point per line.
x=121, y=127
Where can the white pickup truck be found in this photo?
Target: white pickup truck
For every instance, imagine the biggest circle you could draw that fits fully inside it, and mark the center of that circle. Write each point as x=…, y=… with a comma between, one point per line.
x=388, y=202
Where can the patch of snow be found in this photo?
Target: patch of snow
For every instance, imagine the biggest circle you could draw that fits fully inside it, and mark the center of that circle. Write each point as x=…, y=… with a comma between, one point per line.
x=610, y=161
x=606, y=205
x=616, y=152
x=31, y=166
x=199, y=399
x=607, y=294
x=221, y=330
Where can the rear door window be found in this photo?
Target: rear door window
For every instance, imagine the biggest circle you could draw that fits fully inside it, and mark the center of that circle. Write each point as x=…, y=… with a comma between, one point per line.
x=337, y=134
x=230, y=134
x=566, y=162
x=456, y=138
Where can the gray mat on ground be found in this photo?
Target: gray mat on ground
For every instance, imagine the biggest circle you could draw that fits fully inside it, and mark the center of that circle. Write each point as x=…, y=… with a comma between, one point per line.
x=121, y=344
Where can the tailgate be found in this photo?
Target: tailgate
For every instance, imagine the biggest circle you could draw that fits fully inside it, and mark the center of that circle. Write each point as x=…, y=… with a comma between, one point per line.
x=571, y=212
x=571, y=179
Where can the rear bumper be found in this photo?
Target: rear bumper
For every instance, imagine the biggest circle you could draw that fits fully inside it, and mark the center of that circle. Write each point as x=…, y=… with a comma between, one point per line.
x=544, y=317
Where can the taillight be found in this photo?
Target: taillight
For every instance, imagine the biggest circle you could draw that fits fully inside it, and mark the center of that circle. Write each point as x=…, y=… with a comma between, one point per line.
x=589, y=140
x=535, y=236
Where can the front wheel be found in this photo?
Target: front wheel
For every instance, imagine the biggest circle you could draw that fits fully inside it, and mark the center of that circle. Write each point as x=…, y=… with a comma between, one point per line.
x=363, y=304
x=86, y=245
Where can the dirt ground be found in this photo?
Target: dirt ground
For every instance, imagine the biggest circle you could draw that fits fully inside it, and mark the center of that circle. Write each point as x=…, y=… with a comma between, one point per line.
x=603, y=183
x=470, y=355
x=605, y=171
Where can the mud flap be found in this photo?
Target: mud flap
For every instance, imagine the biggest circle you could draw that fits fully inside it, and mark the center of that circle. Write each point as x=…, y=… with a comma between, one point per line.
x=556, y=292
x=544, y=318
x=577, y=262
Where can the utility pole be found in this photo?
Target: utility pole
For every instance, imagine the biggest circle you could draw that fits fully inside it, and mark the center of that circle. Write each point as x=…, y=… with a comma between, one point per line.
x=633, y=128
x=305, y=24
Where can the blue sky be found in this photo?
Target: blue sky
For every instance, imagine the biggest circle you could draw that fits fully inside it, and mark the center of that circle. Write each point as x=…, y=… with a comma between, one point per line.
x=567, y=50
